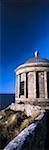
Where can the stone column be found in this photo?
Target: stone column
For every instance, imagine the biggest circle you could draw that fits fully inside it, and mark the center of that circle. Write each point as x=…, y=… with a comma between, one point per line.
x=18, y=88
x=25, y=85
x=41, y=85
x=35, y=85
x=31, y=85
x=45, y=79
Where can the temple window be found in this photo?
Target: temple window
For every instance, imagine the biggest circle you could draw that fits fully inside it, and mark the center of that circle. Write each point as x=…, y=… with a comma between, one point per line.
x=22, y=88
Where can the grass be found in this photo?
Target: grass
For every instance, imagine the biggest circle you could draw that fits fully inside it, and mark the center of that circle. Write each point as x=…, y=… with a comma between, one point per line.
x=12, y=123
x=10, y=126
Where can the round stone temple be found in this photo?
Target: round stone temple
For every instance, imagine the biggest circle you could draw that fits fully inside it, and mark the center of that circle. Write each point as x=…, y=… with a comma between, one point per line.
x=36, y=53
x=33, y=80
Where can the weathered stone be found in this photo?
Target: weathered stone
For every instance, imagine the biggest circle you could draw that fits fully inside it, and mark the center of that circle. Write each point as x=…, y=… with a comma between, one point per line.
x=30, y=110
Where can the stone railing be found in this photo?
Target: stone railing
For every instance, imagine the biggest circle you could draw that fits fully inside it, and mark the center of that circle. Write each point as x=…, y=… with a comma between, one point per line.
x=31, y=138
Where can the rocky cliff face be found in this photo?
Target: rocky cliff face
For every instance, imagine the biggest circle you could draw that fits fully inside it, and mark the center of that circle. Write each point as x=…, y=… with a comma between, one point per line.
x=31, y=138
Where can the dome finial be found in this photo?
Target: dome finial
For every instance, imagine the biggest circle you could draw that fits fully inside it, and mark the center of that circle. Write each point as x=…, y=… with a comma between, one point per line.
x=36, y=53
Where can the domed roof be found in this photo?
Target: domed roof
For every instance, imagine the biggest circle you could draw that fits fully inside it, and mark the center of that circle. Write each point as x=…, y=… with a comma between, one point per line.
x=33, y=62
x=37, y=59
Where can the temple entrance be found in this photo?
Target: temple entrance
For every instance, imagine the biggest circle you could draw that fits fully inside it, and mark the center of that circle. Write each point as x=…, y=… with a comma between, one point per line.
x=37, y=85
x=48, y=83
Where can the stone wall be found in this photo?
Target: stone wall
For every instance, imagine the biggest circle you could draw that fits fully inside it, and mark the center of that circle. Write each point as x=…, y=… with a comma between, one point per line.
x=31, y=138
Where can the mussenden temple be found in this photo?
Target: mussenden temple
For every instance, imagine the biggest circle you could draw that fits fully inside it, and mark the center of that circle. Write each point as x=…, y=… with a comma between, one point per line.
x=32, y=80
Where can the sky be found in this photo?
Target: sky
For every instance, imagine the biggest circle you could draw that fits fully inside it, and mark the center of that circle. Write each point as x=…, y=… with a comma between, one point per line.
x=24, y=27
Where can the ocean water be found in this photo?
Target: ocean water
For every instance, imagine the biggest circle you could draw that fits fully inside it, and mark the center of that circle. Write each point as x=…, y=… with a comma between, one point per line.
x=6, y=100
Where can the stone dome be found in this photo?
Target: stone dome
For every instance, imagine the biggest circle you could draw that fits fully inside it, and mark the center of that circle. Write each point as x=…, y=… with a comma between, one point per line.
x=37, y=60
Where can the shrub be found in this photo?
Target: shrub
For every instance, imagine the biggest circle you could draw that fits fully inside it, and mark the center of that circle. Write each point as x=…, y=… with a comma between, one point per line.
x=4, y=137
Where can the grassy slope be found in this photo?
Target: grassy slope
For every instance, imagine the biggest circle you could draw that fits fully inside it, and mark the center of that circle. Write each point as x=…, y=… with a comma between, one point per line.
x=11, y=124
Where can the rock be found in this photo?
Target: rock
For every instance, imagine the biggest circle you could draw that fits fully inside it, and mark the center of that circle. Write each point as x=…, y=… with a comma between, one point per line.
x=29, y=109
x=17, y=107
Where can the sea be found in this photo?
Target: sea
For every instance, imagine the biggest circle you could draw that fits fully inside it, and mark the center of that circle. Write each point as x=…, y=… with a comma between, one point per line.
x=6, y=100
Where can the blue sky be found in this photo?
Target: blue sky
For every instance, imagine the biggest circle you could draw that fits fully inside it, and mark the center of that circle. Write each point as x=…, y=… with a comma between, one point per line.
x=24, y=28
